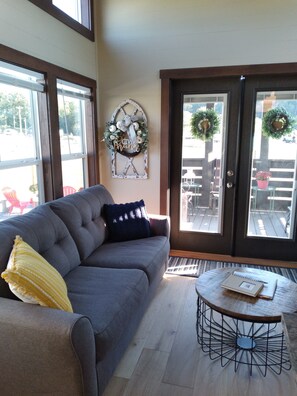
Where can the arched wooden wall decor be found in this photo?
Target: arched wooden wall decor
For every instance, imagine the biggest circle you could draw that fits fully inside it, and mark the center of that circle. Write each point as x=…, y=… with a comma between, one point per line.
x=126, y=135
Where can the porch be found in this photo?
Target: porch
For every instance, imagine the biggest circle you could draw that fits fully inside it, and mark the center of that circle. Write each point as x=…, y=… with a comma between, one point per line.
x=264, y=223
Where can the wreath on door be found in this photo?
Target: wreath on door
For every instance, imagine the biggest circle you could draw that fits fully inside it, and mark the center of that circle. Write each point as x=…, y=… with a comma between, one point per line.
x=205, y=124
x=277, y=123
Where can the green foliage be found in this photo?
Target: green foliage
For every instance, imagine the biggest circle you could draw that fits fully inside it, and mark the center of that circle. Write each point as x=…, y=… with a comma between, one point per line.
x=68, y=120
x=263, y=175
x=14, y=109
x=277, y=122
x=205, y=124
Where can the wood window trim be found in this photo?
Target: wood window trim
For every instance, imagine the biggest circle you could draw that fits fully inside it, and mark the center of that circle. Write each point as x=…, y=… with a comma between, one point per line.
x=81, y=28
x=49, y=119
x=45, y=149
x=167, y=79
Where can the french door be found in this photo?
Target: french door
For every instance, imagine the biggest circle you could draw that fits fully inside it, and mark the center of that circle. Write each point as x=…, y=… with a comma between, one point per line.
x=221, y=142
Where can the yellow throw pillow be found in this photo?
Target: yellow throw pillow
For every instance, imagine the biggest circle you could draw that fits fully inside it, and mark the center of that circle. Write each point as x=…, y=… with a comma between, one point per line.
x=33, y=279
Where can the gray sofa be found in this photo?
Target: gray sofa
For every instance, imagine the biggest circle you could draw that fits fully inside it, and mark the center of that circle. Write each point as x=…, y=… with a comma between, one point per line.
x=49, y=351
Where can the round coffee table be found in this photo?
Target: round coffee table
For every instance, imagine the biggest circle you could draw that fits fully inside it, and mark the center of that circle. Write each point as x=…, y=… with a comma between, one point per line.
x=241, y=329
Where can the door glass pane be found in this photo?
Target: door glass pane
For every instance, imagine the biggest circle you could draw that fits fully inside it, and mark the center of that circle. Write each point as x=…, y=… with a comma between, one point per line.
x=201, y=190
x=272, y=198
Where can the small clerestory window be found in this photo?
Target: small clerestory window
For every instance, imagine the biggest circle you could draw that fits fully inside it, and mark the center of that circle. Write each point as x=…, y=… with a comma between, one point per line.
x=77, y=14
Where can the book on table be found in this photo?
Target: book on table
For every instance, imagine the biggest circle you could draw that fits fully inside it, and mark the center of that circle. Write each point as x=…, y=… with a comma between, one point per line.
x=269, y=284
x=242, y=285
x=251, y=284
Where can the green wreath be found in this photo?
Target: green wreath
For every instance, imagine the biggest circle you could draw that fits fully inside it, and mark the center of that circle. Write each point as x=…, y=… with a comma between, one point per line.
x=277, y=123
x=205, y=124
x=116, y=139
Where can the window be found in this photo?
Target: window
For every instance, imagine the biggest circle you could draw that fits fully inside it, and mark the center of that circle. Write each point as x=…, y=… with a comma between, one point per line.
x=77, y=14
x=48, y=142
x=21, y=177
x=70, y=7
x=72, y=102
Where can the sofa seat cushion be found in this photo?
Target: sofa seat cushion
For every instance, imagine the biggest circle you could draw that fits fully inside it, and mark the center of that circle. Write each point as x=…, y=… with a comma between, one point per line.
x=109, y=297
x=146, y=254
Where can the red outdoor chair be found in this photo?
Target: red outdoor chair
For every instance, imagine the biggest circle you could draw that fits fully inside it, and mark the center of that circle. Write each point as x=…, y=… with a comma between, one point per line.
x=11, y=197
x=67, y=190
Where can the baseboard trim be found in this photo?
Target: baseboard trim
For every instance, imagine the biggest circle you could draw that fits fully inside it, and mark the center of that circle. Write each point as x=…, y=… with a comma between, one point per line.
x=241, y=260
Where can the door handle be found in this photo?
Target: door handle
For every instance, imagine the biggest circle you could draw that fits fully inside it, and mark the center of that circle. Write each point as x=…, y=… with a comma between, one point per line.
x=229, y=185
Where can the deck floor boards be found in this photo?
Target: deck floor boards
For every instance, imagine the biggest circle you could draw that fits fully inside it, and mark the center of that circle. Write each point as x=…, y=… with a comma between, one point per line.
x=261, y=222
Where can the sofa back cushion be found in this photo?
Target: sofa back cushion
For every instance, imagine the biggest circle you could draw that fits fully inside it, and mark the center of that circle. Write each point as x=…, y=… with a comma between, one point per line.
x=82, y=214
x=45, y=233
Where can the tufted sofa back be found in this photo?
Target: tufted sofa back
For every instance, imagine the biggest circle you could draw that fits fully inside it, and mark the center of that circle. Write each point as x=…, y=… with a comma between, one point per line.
x=42, y=229
x=82, y=214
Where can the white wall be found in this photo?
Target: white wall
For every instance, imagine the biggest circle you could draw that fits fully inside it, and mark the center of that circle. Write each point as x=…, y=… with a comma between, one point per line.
x=140, y=37
x=27, y=28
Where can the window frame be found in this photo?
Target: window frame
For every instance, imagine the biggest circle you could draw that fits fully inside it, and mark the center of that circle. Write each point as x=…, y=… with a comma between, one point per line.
x=35, y=89
x=49, y=119
x=86, y=28
x=83, y=154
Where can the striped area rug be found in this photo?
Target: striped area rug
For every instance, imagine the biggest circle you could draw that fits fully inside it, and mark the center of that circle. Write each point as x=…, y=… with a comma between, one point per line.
x=195, y=267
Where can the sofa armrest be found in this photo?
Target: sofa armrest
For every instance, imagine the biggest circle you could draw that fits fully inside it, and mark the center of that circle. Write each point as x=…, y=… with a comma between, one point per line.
x=45, y=351
x=160, y=225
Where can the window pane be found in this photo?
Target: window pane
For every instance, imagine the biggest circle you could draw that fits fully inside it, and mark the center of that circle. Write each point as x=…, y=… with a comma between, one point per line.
x=201, y=192
x=70, y=7
x=72, y=115
x=21, y=186
x=71, y=102
x=73, y=176
x=273, y=168
x=18, y=190
x=17, y=138
x=71, y=125
x=21, y=77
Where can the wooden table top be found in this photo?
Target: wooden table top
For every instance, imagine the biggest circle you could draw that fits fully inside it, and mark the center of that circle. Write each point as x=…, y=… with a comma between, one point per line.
x=241, y=306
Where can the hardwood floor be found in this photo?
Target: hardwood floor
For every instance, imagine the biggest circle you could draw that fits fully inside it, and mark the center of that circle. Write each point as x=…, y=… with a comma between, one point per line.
x=164, y=358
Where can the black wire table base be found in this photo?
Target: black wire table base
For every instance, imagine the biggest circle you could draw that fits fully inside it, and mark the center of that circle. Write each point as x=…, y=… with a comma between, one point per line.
x=253, y=344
